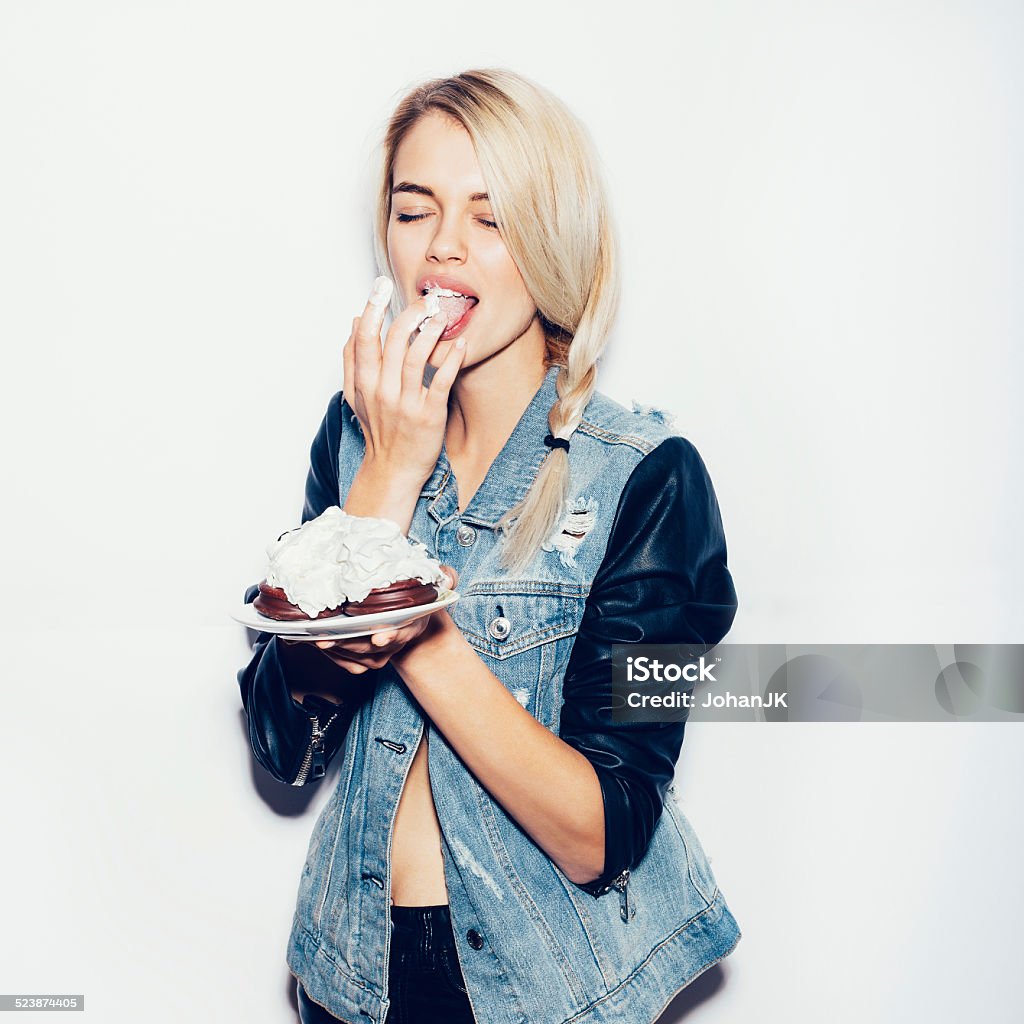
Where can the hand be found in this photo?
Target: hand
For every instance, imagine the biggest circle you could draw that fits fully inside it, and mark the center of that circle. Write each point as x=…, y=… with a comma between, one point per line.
x=403, y=422
x=363, y=653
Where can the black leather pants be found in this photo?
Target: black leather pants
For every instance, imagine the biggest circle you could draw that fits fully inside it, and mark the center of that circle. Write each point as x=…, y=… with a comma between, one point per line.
x=424, y=980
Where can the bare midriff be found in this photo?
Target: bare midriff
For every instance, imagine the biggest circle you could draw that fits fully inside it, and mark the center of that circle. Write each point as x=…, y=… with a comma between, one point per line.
x=417, y=865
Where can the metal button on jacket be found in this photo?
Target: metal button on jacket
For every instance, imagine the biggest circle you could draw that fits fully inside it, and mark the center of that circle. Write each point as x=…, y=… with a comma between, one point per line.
x=465, y=535
x=476, y=940
x=500, y=628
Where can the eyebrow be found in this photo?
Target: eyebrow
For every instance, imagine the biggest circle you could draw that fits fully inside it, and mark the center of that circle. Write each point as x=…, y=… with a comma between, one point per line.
x=422, y=190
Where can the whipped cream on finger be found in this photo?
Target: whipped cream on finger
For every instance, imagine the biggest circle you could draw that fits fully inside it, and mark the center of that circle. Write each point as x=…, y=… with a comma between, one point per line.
x=433, y=308
x=380, y=296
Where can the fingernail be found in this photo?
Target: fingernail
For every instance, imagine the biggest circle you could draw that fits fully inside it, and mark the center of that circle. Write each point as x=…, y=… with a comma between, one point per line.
x=382, y=289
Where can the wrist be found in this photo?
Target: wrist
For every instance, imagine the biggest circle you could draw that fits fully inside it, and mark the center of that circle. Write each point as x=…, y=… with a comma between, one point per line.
x=380, y=492
x=429, y=651
x=385, y=474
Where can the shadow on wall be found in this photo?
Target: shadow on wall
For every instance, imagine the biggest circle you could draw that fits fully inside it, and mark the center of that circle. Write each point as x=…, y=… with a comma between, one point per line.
x=695, y=994
x=287, y=801
x=293, y=999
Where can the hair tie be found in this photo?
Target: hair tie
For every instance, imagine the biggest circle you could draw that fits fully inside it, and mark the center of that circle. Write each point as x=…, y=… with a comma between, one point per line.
x=556, y=442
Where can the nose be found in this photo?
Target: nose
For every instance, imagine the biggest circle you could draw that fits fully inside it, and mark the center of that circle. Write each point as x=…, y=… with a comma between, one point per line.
x=448, y=244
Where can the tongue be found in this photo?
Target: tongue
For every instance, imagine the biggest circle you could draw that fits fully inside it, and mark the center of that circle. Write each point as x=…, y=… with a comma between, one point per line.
x=453, y=308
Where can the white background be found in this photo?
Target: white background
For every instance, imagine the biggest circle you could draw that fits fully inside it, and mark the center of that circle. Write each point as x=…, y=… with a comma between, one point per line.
x=821, y=224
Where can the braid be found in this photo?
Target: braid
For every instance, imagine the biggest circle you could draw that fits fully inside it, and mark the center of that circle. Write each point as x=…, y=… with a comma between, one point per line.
x=529, y=523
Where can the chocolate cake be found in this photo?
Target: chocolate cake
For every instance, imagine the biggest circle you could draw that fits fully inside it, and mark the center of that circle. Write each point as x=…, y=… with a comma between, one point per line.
x=403, y=594
x=339, y=564
x=274, y=604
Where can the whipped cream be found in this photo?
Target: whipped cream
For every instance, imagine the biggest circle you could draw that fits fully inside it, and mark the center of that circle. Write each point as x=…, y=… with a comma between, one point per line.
x=337, y=558
x=444, y=302
x=433, y=308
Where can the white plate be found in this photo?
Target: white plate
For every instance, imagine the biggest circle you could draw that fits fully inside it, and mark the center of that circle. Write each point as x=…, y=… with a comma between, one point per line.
x=340, y=627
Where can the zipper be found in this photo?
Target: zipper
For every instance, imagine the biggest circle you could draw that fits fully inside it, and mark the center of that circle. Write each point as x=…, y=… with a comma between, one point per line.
x=313, y=765
x=622, y=883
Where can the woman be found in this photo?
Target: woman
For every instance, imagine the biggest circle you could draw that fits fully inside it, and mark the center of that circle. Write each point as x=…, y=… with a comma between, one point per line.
x=496, y=849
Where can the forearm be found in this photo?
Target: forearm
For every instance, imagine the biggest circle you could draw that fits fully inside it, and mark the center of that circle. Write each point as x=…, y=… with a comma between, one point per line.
x=549, y=788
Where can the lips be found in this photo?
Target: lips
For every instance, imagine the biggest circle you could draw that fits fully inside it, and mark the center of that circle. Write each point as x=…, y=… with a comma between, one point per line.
x=455, y=299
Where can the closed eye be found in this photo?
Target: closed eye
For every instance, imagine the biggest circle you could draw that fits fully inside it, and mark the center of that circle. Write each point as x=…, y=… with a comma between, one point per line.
x=405, y=218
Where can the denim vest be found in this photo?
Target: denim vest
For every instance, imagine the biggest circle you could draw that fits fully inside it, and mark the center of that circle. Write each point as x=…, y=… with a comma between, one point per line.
x=533, y=947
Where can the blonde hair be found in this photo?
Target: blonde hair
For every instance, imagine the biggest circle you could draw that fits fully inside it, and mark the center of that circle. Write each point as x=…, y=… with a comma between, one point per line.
x=549, y=200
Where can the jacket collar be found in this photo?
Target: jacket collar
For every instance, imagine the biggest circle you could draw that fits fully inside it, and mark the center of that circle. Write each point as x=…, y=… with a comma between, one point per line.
x=511, y=473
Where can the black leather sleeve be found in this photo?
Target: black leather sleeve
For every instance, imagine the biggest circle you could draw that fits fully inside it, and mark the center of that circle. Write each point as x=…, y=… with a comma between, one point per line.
x=664, y=579
x=322, y=478
x=280, y=728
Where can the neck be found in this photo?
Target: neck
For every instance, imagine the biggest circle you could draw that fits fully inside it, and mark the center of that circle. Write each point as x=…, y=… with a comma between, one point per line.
x=488, y=400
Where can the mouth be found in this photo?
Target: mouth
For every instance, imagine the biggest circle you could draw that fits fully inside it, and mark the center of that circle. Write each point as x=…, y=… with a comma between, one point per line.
x=456, y=305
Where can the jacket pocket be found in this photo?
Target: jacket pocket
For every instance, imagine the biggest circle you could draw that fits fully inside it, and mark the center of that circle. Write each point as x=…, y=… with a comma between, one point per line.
x=518, y=633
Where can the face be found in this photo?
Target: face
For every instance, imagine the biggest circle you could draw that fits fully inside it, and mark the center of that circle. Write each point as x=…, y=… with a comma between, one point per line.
x=442, y=231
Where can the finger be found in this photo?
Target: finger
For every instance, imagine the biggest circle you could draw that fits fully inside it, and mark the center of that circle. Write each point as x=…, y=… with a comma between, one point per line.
x=346, y=648
x=361, y=666
x=382, y=645
x=452, y=574
x=411, y=632
x=446, y=373
x=396, y=345
x=367, y=335
x=423, y=343
x=350, y=666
